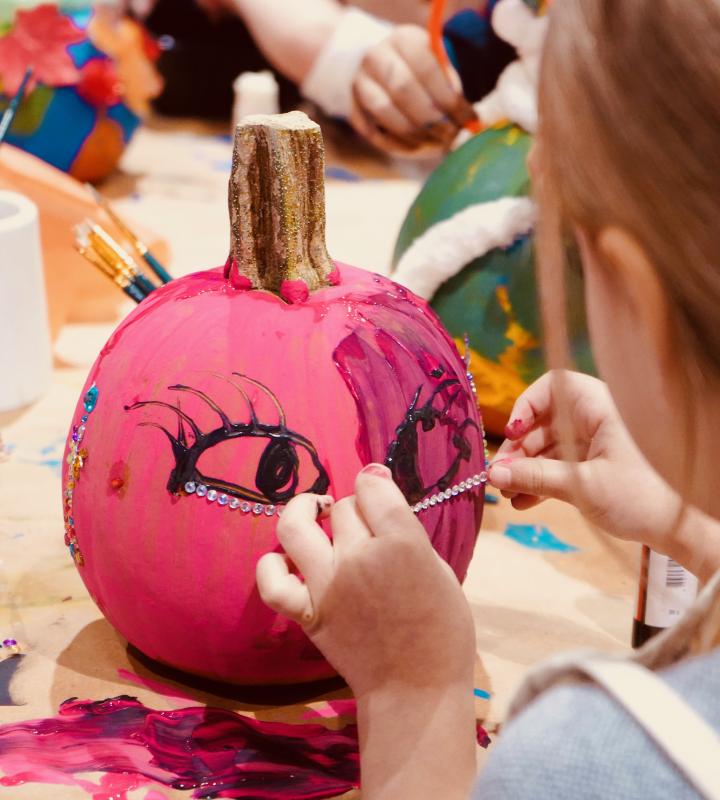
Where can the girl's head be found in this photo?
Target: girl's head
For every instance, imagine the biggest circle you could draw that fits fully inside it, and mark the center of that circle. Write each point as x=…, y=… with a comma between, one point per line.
x=629, y=164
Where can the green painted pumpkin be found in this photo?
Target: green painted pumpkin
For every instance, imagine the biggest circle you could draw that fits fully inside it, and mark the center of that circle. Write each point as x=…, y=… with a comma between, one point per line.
x=466, y=245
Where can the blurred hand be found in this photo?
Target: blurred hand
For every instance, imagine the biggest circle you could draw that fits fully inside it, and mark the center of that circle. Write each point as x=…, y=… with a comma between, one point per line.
x=380, y=604
x=612, y=484
x=402, y=100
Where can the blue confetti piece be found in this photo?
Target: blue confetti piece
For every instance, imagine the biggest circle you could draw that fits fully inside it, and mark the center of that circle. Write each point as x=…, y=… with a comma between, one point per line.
x=481, y=693
x=54, y=464
x=537, y=537
x=492, y=499
x=342, y=174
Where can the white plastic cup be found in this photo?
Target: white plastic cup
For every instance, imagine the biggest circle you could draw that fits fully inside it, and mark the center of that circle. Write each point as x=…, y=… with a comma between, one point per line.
x=255, y=93
x=25, y=349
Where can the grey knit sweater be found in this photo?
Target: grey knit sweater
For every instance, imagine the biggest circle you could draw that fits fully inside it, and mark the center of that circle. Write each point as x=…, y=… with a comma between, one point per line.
x=577, y=742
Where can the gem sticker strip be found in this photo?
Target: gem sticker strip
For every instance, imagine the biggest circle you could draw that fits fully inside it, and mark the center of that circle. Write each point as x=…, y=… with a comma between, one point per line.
x=76, y=461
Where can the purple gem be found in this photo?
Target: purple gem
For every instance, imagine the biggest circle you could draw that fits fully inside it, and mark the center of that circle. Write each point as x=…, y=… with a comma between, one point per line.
x=9, y=643
x=75, y=433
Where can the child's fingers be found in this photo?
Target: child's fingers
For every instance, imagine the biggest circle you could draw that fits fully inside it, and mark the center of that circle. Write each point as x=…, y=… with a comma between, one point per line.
x=538, y=477
x=384, y=140
x=349, y=528
x=533, y=404
x=305, y=541
x=385, y=65
x=382, y=504
x=533, y=443
x=413, y=44
x=377, y=103
x=281, y=590
x=524, y=502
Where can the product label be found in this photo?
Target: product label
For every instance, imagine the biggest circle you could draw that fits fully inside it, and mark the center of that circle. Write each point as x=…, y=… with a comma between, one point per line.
x=671, y=590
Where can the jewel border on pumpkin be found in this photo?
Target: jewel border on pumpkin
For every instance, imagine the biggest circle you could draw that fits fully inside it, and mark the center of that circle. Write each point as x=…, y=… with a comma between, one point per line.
x=232, y=503
x=262, y=509
x=76, y=461
x=468, y=485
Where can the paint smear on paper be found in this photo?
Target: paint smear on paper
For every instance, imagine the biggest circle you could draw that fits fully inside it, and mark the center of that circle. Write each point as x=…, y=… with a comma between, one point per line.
x=8, y=668
x=49, y=455
x=210, y=752
x=537, y=537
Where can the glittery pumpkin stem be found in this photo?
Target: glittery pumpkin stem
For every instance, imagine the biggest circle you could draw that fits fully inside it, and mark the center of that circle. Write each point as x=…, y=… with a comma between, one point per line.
x=277, y=205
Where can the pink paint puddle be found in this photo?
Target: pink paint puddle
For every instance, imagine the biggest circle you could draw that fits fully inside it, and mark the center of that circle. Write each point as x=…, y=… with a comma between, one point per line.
x=210, y=752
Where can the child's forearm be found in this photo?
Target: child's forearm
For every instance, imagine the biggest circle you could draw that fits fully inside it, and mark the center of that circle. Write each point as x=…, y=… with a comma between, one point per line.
x=290, y=39
x=417, y=743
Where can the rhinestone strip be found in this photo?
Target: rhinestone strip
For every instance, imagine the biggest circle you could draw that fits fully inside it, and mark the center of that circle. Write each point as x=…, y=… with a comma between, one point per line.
x=469, y=485
x=231, y=503
x=76, y=458
x=260, y=509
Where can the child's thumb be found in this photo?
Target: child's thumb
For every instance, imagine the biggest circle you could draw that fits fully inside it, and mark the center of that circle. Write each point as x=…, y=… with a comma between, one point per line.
x=539, y=477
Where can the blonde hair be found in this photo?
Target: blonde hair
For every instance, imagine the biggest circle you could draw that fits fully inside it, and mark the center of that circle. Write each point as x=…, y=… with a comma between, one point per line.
x=630, y=128
x=630, y=136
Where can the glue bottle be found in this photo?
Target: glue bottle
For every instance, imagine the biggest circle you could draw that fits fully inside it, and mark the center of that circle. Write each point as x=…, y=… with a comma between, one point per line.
x=666, y=592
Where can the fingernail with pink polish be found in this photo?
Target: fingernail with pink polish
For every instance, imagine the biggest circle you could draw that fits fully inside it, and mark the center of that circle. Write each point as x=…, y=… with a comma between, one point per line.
x=377, y=470
x=323, y=504
x=515, y=428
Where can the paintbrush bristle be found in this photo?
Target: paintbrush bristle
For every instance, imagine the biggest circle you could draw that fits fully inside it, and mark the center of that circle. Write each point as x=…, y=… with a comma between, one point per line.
x=82, y=233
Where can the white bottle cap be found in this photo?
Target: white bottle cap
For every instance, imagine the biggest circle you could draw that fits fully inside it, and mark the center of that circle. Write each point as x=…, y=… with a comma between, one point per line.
x=255, y=93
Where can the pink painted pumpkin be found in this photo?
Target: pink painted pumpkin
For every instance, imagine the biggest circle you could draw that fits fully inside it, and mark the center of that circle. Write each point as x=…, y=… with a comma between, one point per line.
x=218, y=399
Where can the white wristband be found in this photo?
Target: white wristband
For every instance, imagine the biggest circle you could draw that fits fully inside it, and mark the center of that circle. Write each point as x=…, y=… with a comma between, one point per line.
x=329, y=81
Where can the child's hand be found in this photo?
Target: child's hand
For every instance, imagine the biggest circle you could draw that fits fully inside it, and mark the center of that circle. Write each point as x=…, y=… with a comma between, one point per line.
x=391, y=617
x=402, y=100
x=612, y=485
x=377, y=601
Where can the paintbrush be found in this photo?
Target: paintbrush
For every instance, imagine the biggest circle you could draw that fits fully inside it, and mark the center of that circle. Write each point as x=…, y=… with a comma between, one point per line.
x=117, y=257
x=112, y=257
x=137, y=243
x=9, y=114
x=119, y=277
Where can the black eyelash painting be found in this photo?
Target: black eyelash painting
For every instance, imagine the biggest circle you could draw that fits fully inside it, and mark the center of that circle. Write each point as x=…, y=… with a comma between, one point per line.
x=403, y=453
x=416, y=411
x=277, y=476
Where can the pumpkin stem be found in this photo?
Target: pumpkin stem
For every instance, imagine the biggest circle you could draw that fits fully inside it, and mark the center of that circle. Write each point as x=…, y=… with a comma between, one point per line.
x=277, y=207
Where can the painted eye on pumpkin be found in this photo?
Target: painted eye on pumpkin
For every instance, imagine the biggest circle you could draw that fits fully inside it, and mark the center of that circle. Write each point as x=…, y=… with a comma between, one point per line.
x=284, y=454
x=435, y=414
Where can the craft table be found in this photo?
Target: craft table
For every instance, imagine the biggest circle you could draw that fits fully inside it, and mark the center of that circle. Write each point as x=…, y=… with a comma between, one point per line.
x=540, y=581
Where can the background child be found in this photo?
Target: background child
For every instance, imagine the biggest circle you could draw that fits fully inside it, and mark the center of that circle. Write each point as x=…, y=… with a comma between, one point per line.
x=376, y=70
x=628, y=164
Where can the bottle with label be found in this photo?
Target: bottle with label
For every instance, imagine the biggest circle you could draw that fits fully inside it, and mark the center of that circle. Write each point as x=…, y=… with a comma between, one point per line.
x=666, y=592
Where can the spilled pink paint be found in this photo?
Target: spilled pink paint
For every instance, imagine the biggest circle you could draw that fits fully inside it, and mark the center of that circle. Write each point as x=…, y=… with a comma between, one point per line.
x=210, y=752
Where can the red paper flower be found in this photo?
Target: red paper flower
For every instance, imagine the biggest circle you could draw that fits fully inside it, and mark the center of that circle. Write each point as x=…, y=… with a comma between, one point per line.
x=39, y=39
x=99, y=83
